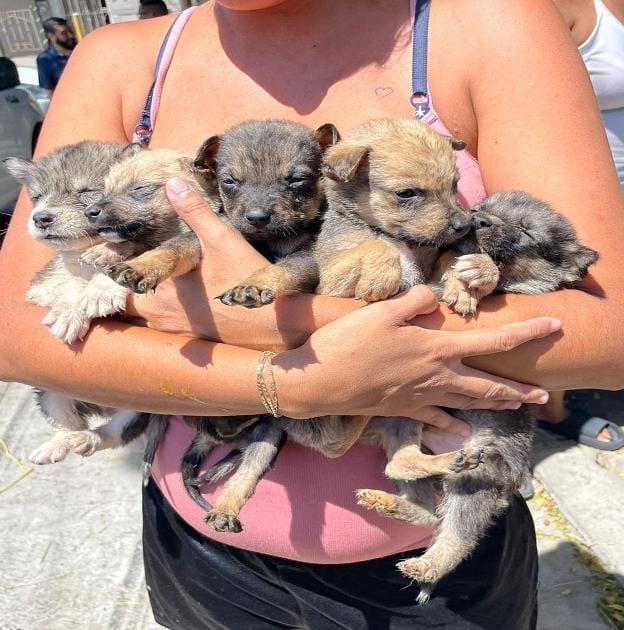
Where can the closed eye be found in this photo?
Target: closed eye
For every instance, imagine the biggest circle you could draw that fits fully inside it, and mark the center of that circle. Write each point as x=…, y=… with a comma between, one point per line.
x=409, y=193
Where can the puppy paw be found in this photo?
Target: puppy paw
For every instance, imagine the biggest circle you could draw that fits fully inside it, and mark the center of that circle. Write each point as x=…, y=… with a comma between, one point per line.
x=248, y=296
x=105, y=254
x=419, y=569
x=83, y=443
x=467, y=459
x=222, y=522
x=67, y=324
x=458, y=295
x=377, y=500
x=50, y=452
x=130, y=277
x=478, y=271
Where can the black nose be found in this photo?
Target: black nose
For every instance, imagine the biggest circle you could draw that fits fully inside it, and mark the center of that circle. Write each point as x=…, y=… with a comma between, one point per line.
x=43, y=218
x=480, y=221
x=460, y=222
x=92, y=212
x=258, y=216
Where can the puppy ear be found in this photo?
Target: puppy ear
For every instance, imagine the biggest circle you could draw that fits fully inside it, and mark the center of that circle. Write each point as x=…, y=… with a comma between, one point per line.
x=457, y=144
x=19, y=168
x=342, y=162
x=206, y=178
x=326, y=135
x=205, y=158
x=584, y=257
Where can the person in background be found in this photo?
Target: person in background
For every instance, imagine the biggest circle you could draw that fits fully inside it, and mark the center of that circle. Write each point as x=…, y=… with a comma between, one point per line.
x=51, y=62
x=151, y=9
x=597, y=28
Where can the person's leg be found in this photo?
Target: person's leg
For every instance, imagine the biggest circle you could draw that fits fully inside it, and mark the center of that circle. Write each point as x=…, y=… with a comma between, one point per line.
x=196, y=583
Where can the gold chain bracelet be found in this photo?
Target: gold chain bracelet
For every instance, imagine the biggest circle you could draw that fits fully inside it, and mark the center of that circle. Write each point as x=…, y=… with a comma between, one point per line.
x=268, y=395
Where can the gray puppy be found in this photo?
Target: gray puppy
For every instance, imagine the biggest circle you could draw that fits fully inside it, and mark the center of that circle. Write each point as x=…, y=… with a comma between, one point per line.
x=518, y=245
x=61, y=186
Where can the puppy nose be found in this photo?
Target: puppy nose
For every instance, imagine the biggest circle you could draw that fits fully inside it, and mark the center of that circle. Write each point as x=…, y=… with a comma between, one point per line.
x=460, y=222
x=258, y=216
x=92, y=212
x=480, y=221
x=43, y=218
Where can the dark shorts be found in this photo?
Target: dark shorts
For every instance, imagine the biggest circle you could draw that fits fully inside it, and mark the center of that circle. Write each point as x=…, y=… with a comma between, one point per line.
x=195, y=583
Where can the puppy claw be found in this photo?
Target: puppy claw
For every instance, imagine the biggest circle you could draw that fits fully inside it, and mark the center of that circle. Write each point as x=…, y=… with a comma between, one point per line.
x=467, y=459
x=248, y=296
x=221, y=522
x=126, y=276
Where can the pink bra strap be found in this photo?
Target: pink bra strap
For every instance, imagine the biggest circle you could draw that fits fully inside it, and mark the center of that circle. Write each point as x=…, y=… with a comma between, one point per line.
x=143, y=130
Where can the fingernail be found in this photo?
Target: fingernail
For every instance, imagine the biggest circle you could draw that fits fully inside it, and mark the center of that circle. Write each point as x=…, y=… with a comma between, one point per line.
x=178, y=187
x=465, y=432
x=542, y=399
x=554, y=324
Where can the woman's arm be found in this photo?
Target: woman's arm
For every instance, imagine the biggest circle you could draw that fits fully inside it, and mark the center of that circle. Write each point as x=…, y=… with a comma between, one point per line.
x=132, y=367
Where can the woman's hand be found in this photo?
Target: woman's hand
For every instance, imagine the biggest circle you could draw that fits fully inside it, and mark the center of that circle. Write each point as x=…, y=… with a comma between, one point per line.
x=373, y=362
x=186, y=305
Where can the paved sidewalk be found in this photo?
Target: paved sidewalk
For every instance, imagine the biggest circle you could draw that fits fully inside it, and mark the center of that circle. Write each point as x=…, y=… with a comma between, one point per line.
x=71, y=549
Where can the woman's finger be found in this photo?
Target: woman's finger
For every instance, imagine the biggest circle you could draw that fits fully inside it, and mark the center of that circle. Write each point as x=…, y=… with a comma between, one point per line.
x=481, y=385
x=442, y=421
x=419, y=300
x=201, y=218
x=503, y=338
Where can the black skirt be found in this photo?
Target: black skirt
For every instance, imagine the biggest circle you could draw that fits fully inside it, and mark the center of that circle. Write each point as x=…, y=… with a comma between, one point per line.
x=195, y=583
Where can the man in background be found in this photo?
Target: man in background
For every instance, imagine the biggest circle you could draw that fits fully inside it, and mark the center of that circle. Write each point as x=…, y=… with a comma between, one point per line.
x=151, y=9
x=51, y=62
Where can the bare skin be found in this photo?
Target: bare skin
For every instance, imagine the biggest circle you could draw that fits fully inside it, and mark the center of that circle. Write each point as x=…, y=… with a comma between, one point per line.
x=367, y=77
x=580, y=17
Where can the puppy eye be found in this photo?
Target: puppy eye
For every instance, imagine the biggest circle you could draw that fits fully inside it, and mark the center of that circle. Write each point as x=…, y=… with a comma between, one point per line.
x=142, y=191
x=297, y=180
x=409, y=193
x=35, y=198
x=229, y=181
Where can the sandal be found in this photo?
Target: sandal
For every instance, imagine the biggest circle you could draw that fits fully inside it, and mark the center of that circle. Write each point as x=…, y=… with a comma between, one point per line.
x=584, y=428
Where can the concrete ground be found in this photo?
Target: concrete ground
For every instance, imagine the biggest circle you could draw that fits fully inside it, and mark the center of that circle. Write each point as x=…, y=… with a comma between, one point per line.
x=71, y=549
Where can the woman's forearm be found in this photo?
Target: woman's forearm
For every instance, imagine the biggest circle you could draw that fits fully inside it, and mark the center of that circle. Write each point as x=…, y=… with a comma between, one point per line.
x=586, y=354
x=131, y=367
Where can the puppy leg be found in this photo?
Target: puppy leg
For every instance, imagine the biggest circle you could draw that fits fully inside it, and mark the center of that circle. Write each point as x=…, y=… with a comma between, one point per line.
x=65, y=413
x=174, y=257
x=371, y=271
x=266, y=443
x=106, y=436
x=297, y=273
x=410, y=463
x=414, y=503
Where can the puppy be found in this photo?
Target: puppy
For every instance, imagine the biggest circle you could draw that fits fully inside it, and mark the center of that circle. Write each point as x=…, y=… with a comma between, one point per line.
x=65, y=187
x=391, y=207
x=518, y=245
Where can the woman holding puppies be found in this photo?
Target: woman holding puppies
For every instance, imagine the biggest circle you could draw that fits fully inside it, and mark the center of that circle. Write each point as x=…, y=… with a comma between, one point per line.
x=499, y=76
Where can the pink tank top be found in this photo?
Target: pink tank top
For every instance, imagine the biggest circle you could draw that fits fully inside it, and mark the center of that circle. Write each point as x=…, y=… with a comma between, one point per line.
x=304, y=508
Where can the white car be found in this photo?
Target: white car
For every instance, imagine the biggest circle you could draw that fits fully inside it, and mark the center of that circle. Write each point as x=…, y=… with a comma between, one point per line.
x=20, y=122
